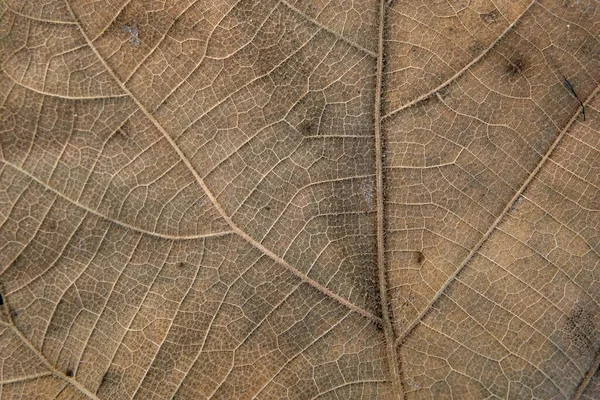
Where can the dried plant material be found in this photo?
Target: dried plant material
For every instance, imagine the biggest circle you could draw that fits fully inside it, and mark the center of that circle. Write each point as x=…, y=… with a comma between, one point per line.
x=265, y=199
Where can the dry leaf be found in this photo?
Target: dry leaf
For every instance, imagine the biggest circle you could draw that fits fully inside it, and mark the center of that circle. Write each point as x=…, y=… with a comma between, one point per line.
x=299, y=199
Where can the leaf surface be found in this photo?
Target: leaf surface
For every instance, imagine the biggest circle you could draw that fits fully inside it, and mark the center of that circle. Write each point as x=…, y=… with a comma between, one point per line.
x=299, y=199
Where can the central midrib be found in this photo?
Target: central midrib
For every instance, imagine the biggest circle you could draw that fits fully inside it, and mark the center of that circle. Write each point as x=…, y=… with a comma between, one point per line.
x=393, y=365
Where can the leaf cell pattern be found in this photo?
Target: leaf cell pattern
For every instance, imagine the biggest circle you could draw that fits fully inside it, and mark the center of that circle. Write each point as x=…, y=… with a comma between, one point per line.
x=256, y=199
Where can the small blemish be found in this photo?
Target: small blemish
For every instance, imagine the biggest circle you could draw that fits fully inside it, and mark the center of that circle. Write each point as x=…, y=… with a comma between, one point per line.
x=490, y=17
x=307, y=128
x=516, y=66
x=14, y=313
x=366, y=191
x=1, y=300
x=133, y=33
x=69, y=373
x=420, y=257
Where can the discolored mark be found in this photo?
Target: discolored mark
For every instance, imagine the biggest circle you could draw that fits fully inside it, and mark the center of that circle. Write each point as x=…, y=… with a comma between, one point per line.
x=443, y=93
x=180, y=264
x=14, y=314
x=572, y=91
x=133, y=33
x=121, y=132
x=267, y=208
x=52, y=225
x=378, y=326
x=579, y=328
x=490, y=17
x=367, y=195
x=516, y=66
x=419, y=257
x=69, y=373
x=307, y=128
x=476, y=48
x=1, y=300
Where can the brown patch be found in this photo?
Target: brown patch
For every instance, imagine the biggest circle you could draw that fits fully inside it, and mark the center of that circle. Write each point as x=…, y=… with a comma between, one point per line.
x=490, y=18
x=579, y=328
x=419, y=257
x=121, y=133
x=378, y=325
x=69, y=373
x=425, y=101
x=476, y=48
x=180, y=264
x=308, y=128
x=516, y=66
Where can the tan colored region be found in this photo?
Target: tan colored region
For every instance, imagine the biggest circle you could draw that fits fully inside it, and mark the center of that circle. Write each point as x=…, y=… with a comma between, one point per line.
x=395, y=199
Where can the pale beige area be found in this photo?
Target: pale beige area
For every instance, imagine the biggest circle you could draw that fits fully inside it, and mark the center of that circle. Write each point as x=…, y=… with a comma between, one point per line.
x=299, y=199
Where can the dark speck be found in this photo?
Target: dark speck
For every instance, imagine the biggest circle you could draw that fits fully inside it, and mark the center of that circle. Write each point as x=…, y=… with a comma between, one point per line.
x=490, y=17
x=516, y=66
x=420, y=257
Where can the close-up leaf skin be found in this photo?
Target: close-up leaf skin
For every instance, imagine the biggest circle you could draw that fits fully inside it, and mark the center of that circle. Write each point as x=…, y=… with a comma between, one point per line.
x=299, y=199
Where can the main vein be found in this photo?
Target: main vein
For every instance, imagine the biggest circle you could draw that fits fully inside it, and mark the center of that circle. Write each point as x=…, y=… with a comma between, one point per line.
x=388, y=329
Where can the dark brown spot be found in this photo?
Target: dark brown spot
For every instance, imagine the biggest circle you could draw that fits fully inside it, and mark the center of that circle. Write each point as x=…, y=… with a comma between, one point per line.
x=122, y=132
x=580, y=329
x=69, y=373
x=490, y=17
x=307, y=128
x=379, y=326
x=267, y=208
x=1, y=300
x=515, y=66
x=420, y=257
x=180, y=264
x=14, y=313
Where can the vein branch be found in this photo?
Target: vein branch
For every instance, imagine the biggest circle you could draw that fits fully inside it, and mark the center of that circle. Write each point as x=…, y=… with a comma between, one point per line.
x=114, y=220
x=325, y=28
x=52, y=370
x=464, y=69
x=406, y=332
x=211, y=195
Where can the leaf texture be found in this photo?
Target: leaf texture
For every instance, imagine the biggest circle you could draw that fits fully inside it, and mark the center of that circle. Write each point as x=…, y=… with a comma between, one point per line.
x=263, y=199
